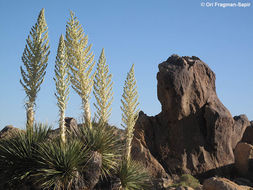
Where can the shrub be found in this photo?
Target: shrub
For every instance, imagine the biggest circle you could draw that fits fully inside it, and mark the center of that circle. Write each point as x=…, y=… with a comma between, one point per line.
x=187, y=180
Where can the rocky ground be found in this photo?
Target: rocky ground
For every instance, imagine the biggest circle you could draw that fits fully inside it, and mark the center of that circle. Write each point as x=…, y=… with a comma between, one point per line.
x=194, y=133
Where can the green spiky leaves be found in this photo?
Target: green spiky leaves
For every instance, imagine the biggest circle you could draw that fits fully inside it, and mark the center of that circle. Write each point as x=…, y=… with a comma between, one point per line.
x=60, y=166
x=17, y=155
x=62, y=82
x=133, y=176
x=35, y=57
x=81, y=63
x=102, y=138
x=103, y=90
x=129, y=108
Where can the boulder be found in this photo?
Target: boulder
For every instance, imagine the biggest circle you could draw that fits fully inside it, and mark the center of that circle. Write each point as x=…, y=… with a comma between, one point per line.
x=240, y=135
x=194, y=133
x=217, y=183
x=93, y=171
x=71, y=127
x=71, y=124
x=243, y=156
x=9, y=131
x=248, y=134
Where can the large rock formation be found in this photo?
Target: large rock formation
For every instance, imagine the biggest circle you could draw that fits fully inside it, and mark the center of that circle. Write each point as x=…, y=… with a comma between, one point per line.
x=194, y=132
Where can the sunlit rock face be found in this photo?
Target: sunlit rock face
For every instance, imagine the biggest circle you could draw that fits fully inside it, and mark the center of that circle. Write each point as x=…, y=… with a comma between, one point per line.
x=194, y=133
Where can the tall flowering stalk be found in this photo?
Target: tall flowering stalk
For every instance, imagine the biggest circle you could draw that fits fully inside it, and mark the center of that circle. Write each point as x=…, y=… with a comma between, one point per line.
x=35, y=58
x=81, y=63
x=62, y=82
x=103, y=90
x=129, y=108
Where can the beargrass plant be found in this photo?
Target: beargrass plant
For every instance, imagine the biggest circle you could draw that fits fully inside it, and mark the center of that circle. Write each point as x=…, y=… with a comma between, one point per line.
x=81, y=63
x=60, y=165
x=129, y=108
x=35, y=58
x=101, y=138
x=17, y=155
x=133, y=175
x=62, y=82
x=103, y=90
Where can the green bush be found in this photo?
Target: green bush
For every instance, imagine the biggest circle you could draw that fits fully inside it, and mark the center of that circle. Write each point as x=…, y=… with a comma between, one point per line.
x=187, y=180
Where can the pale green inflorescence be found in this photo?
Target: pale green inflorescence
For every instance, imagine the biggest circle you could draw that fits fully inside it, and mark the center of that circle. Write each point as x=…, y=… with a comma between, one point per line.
x=35, y=58
x=81, y=63
x=103, y=90
x=129, y=108
x=62, y=82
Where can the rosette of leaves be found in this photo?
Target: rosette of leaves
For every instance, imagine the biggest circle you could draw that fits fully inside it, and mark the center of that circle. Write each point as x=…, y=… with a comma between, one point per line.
x=18, y=155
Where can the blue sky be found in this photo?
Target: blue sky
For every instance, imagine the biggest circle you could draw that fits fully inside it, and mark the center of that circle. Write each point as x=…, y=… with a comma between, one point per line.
x=144, y=32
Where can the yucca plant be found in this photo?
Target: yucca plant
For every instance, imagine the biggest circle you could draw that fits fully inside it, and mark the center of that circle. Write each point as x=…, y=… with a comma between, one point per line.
x=17, y=155
x=35, y=57
x=62, y=81
x=60, y=165
x=133, y=176
x=103, y=90
x=81, y=63
x=101, y=138
x=129, y=108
